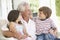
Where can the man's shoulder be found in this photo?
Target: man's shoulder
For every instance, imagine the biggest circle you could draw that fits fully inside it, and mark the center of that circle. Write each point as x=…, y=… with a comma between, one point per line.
x=32, y=21
x=34, y=18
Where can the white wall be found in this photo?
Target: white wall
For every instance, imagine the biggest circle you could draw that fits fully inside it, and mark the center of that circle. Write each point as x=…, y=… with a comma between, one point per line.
x=17, y=2
x=6, y=6
x=0, y=8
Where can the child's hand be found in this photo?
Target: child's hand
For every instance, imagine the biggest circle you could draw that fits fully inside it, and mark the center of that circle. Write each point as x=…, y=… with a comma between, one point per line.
x=51, y=31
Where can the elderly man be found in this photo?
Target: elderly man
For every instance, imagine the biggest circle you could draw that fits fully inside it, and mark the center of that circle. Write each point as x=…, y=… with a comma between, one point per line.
x=25, y=11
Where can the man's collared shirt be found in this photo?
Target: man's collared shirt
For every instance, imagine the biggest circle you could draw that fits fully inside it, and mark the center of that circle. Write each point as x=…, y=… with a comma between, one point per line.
x=30, y=27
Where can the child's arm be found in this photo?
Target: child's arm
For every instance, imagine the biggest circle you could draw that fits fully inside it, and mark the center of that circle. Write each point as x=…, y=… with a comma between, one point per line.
x=13, y=30
x=53, y=31
x=53, y=27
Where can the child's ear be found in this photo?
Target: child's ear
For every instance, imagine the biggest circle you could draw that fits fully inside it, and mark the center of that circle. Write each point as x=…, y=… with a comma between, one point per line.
x=46, y=14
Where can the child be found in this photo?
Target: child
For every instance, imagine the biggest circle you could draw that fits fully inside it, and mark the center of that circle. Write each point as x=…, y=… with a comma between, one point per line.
x=43, y=23
x=16, y=26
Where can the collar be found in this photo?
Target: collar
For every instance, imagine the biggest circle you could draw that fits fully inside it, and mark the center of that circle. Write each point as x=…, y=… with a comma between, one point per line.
x=23, y=21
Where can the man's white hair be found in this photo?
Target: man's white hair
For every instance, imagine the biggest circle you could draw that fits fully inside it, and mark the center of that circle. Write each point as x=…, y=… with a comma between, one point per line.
x=21, y=6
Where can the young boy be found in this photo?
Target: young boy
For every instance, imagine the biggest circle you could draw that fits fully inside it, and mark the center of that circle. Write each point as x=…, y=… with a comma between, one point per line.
x=44, y=24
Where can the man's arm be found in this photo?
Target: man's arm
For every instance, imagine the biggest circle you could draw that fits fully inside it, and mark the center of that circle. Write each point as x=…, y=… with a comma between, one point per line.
x=12, y=32
x=8, y=34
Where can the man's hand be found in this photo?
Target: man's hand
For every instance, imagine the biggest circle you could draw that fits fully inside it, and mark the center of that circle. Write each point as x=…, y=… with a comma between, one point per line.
x=8, y=34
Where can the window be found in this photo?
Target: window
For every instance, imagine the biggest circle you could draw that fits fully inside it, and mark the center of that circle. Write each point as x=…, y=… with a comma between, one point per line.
x=58, y=7
x=34, y=5
x=0, y=9
x=5, y=7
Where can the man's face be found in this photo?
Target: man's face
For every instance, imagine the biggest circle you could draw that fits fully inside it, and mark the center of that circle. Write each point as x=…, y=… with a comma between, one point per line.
x=27, y=11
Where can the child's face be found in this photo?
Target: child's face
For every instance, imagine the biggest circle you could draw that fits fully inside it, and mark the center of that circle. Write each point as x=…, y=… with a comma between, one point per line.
x=41, y=15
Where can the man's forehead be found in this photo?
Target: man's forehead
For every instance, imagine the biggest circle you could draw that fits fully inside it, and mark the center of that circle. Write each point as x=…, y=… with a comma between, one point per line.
x=28, y=7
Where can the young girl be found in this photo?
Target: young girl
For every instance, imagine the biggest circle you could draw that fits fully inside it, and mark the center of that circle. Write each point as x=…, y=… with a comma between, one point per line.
x=44, y=24
x=15, y=25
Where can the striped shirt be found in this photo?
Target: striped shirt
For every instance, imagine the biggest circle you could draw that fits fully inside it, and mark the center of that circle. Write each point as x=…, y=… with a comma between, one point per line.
x=43, y=26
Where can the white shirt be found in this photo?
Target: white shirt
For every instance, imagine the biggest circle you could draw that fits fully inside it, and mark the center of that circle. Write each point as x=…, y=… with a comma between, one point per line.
x=30, y=27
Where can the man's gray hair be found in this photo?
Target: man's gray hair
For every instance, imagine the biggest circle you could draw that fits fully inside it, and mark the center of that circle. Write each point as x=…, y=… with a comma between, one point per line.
x=21, y=6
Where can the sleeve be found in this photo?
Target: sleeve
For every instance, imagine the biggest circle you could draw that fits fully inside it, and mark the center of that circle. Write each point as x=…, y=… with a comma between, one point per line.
x=52, y=24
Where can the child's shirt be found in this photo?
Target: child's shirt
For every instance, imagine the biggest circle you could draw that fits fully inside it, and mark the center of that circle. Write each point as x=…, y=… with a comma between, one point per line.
x=43, y=26
x=19, y=28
